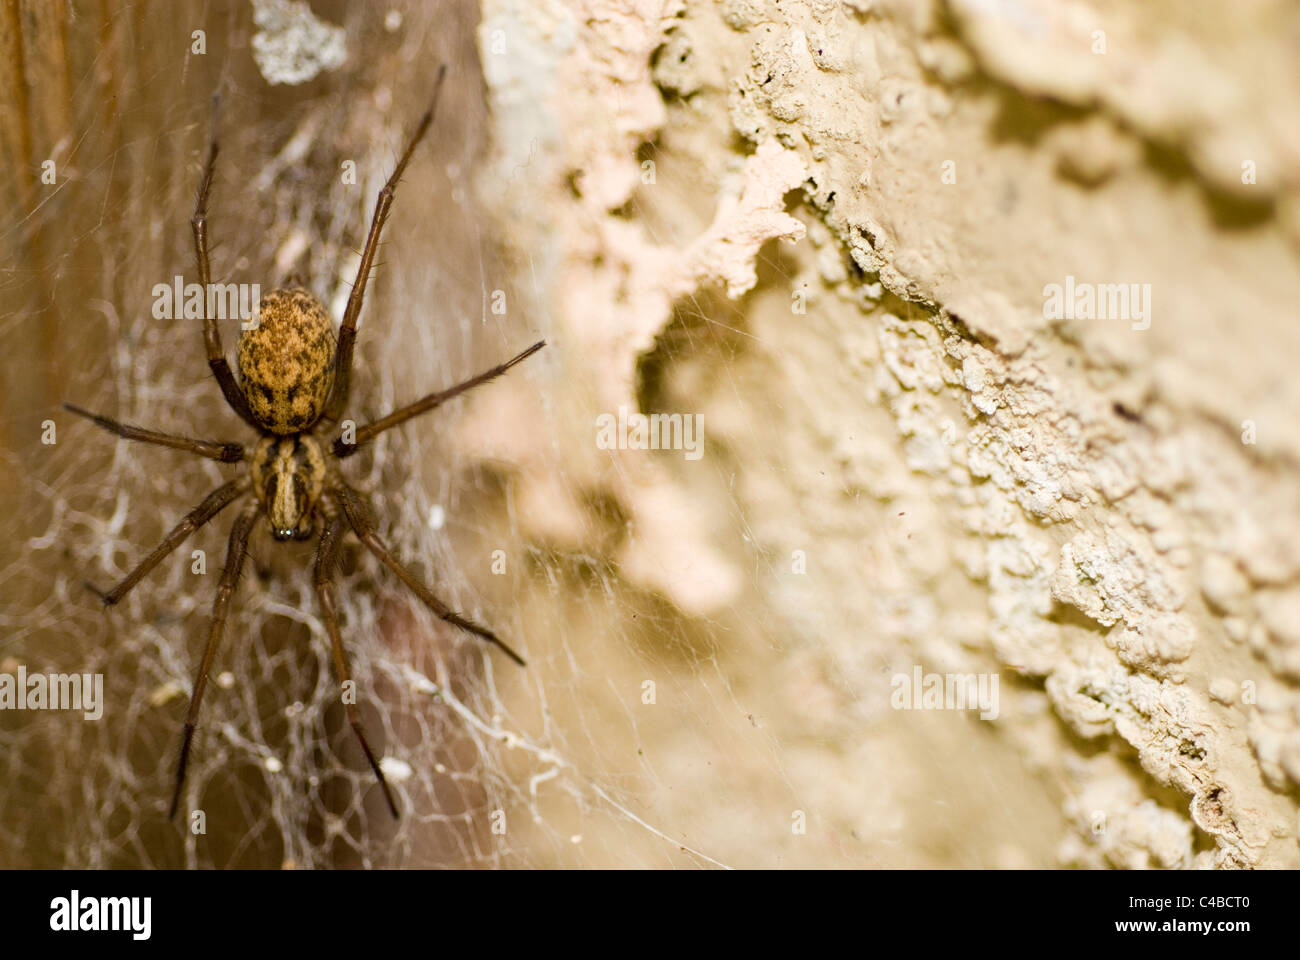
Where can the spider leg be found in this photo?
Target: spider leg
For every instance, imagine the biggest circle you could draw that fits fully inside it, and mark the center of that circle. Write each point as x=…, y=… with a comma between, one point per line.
x=348, y=328
x=211, y=333
x=326, y=591
x=213, y=450
x=235, y=553
x=425, y=404
x=359, y=517
x=212, y=504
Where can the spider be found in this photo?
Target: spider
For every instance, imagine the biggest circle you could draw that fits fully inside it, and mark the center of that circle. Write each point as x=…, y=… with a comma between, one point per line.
x=294, y=378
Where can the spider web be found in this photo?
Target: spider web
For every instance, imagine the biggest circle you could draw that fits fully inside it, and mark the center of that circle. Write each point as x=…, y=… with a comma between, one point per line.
x=493, y=765
x=654, y=725
x=274, y=767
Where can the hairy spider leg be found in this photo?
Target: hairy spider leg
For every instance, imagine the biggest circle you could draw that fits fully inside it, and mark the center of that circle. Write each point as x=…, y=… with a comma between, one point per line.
x=327, y=593
x=236, y=551
x=212, y=504
x=425, y=404
x=225, y=452
x=358, y=515
x=211, y=333
x=348, y=328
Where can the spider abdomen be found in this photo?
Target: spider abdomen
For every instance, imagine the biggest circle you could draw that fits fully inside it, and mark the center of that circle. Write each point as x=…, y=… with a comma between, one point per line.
x=286, y=362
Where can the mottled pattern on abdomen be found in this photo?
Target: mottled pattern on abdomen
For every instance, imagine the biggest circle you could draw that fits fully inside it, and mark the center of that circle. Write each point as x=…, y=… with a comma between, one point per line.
x=286, y=364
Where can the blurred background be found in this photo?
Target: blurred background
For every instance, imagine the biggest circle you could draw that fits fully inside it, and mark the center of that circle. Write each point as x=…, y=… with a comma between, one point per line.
x=823, y=233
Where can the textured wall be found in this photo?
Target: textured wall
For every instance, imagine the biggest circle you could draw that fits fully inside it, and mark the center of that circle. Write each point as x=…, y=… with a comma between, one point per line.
x=829, y=234
x=830, y=229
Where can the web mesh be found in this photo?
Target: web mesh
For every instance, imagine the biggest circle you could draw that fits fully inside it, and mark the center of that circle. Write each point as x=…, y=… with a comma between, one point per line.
x=710, y=644
x=654, y=725
x=274, y=769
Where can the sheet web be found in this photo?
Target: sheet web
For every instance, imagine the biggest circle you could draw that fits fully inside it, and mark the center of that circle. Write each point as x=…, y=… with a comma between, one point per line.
x=274, y=765
x=484, y=773
x=686, y=693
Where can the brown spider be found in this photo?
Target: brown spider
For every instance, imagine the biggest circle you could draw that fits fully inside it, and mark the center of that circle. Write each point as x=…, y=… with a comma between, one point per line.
x=293, y=379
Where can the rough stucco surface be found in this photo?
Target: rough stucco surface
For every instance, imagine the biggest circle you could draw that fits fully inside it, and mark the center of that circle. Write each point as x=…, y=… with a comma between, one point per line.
x=839, y=261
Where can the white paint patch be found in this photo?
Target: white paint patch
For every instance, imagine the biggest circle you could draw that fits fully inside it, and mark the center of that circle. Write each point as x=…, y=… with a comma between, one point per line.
x=291, y=45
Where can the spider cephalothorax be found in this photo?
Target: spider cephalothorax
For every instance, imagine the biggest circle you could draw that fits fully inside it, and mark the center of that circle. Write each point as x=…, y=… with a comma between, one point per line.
x=294, y=378
x=288, y=476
